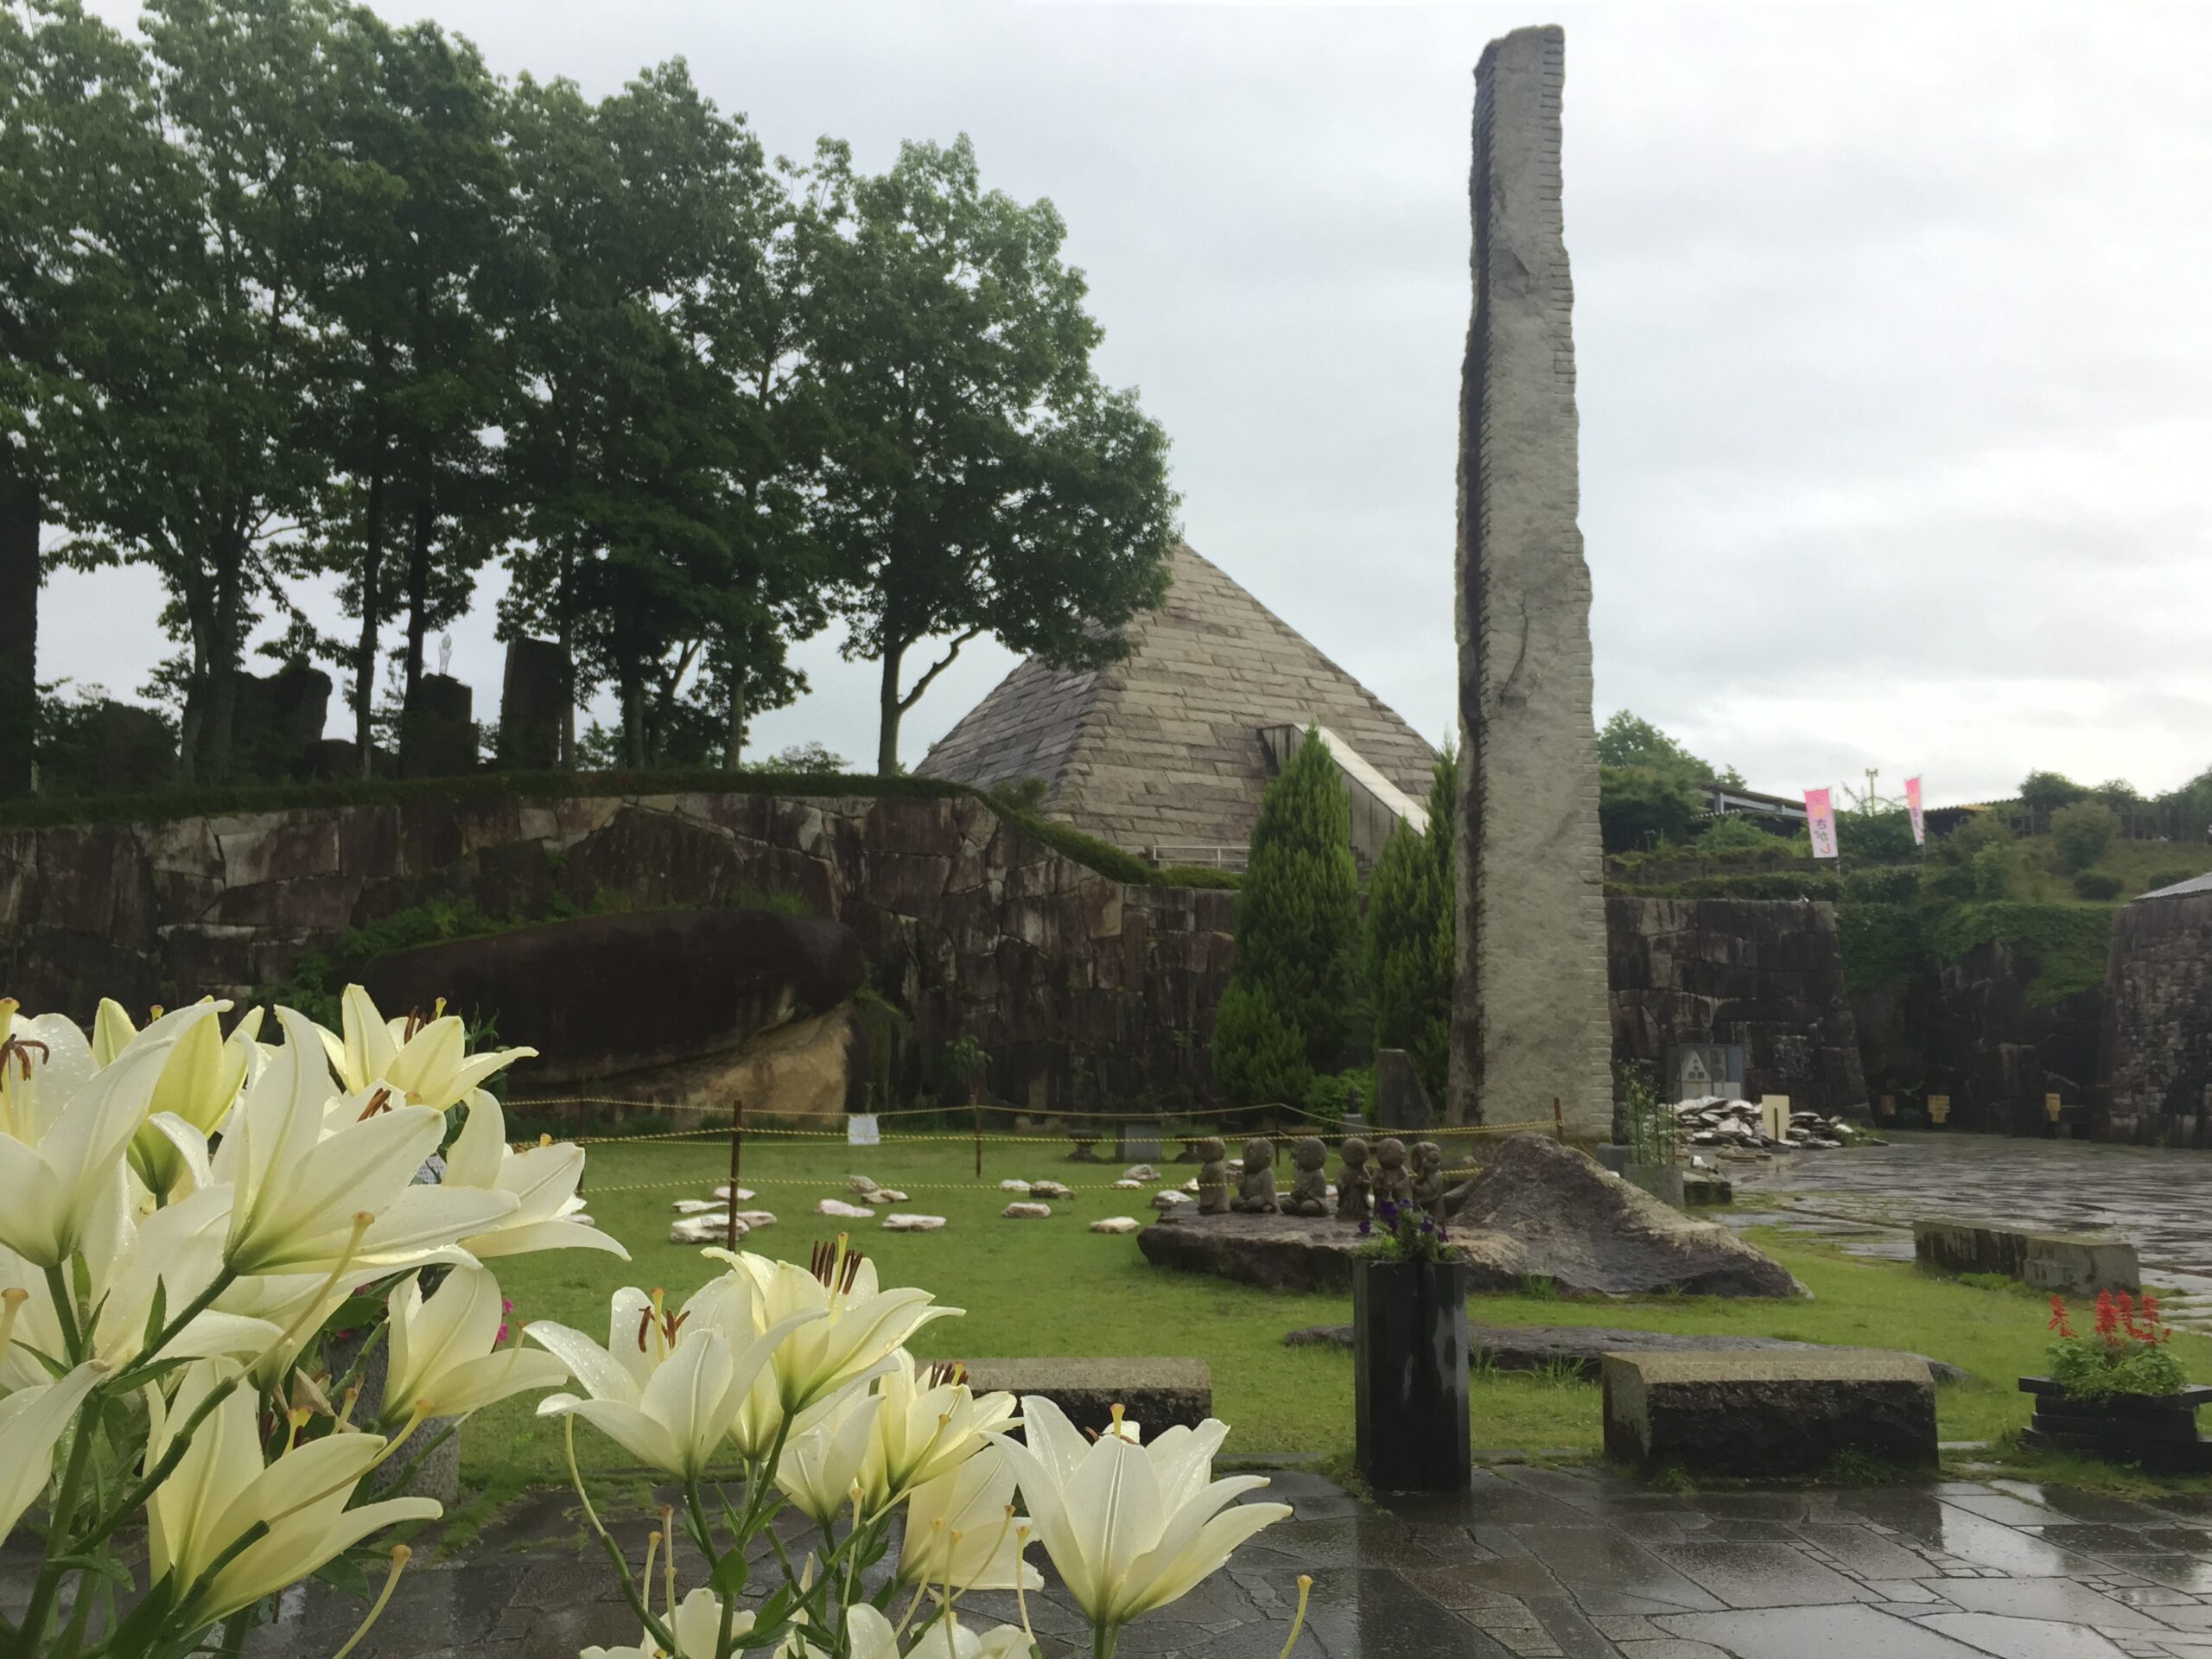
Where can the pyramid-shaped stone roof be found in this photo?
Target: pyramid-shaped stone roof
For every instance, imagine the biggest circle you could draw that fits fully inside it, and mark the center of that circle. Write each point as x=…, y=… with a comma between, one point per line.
x=1163, y=749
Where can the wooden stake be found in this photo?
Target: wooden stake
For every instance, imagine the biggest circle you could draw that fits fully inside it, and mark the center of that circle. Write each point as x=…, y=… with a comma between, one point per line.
x=979, y=1142
x=736, y=1162
x=1559, y=1120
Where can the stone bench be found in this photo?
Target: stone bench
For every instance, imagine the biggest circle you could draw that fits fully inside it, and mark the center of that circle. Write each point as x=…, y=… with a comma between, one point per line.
x=1756, y=1412
x=1155, y=1394
x=2080, y=1264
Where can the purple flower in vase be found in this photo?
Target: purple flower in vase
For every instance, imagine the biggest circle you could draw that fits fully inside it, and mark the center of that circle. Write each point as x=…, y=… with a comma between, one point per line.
x=1366, y=1228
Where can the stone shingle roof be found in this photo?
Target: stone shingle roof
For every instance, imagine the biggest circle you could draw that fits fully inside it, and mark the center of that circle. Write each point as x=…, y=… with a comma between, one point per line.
x=1163, y=748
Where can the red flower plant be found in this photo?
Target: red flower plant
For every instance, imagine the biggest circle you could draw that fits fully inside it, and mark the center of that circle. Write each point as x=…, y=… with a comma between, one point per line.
x=2058, y=1321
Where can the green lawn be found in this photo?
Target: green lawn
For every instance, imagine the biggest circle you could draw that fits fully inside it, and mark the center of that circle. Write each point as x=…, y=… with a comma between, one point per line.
x=1053, y=1288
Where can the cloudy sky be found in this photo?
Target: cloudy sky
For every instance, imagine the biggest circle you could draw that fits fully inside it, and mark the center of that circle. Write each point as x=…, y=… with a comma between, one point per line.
x=1894, y=329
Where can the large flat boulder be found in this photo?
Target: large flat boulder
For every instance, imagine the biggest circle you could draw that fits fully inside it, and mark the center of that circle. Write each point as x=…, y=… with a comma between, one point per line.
x=1573, y=1221
x=623, y=993
x=1584, y=1347
x=2079, y=1264
x=1155, y=1394
x=1539, y=1210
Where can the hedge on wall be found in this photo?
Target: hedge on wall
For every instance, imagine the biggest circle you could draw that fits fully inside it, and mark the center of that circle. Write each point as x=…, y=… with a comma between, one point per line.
x=2070, y=943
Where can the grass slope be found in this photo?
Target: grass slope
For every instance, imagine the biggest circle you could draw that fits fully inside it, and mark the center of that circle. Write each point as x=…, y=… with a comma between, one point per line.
x=1052, y=1287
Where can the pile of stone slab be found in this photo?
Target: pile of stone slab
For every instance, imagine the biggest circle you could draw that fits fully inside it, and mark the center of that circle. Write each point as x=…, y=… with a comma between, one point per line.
x=1715, y=1121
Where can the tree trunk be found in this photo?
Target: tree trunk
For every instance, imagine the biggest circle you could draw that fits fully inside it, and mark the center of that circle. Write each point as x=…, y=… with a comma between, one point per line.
x=735, y=747
x=19, y=567
x=418, y=606
x=219, y=671
x=364, y=654
x=886, y=740
x=633, y=717
x=567, y=638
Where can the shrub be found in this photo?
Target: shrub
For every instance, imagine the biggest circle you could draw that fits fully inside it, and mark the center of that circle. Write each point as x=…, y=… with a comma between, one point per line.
x=2130, y=1351
x=1636, y=804
x=2046, y=792
x=2096, y=885
x=1993, y=872
x=2081, y=832
x=1410, y=934
x=1734, y=832
x=2158, y=879
x=1892, y=885
x=1879, y=835
x=1290, y=986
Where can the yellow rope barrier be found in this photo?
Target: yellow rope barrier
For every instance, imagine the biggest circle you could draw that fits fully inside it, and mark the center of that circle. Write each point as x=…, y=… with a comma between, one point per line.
x=1281, y=1137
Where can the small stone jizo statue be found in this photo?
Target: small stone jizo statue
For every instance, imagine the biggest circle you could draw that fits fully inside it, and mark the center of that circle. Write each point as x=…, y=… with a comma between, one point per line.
x=1355, y=1183
x=1391, y=1180
x=1213, y=1176
x=1309, y=1193
x=1428, y=1177
x=1255, y=1187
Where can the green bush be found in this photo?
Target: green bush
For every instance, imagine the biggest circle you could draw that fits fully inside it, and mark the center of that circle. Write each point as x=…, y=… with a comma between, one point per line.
x=2047, y=791
x=1735, y=833
x=1878, y=943
x=1287, y=1010
x=1877, y=836
x=2158, y=879
x=2096, y=885
x=2081, y=832
x=1896, y=884
x=2070, y=942
x=1636, y=804
x=1410, y=934
x=1993, y=868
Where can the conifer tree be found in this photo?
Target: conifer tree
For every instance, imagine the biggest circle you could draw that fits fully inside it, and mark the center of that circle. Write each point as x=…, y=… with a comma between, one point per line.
x=1286, y=1013
x=1410, y=935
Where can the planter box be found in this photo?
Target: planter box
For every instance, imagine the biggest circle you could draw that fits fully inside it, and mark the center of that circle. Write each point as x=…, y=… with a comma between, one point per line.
x=2158, y=1431
x=1409, y=1375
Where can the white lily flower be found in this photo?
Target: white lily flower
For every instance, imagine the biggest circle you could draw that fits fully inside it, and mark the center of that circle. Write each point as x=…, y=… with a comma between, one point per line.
x=1132, y=1528
x=542, y=1179
x=697, y=1625
x=932, y=1422
x=962, y=1530
x=296, y=1191
x=667, y=1394
x=31, y=1424
x=198, y=1085
x=873, y=1637
x=427, y=1061
x=820, y=1470
x=220, y=1489
x=443, y=1361
x=855, y=1329
x=50, y=1186
x=46, y=1060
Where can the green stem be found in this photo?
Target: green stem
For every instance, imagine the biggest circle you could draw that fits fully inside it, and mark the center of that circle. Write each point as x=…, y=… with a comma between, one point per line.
x=1102, y=1638
x=179, y=1444
x=65, y=1309
x=41, y=1606
x=169, y=1332
x=661, y=1633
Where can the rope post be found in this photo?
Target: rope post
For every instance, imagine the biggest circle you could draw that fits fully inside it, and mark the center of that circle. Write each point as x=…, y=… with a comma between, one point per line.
x=977, y=1108
x=1559, y=1120
x=736, y=1160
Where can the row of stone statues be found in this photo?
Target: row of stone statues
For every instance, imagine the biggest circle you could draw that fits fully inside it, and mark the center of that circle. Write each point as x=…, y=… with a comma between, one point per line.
x=1359, y=1188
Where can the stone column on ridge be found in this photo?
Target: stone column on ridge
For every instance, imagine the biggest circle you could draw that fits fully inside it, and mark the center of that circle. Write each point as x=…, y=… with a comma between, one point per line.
x=1529, y=1020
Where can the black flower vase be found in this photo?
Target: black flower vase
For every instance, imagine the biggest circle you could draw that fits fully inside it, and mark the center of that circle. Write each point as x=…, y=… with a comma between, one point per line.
x=1410, y=1374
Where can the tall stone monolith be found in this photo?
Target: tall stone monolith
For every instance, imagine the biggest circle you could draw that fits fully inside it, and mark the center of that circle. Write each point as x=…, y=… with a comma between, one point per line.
x=1530, y=1022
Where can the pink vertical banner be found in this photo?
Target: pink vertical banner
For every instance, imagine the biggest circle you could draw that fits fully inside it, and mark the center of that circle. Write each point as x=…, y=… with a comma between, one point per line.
x=1912, y=807
x=1820, y=820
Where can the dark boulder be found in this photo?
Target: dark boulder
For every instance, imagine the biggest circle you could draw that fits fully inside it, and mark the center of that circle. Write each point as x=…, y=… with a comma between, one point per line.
x=1584, y=1228
x=616, y=993
x=1541, y=1347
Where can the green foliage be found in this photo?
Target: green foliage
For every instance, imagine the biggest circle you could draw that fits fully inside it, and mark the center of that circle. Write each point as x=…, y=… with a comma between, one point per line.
x=1879, y=942
x=2129, y=1352
x=1627, y=739
x=1819, y=886
x=1637, y=805
x=1994, y=868
x=1875, y=836
x=1648, y=1126
x=2168, y=878
x=87, y=744
x=2081, y=833
x=318, y=979
x=1410, y=935
x=1884, y=885
x=982, y=480
x=1284, y=1013
x=1338, y=1097
x=1735, y=833
x=2046, y=792
x=2070, y=942
x=2098, y=886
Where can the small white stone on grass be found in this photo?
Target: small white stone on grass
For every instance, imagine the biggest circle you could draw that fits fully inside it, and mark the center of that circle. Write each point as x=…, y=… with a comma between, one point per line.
x=1126, y=1182
x=698, y=1206
x=845, y=1212
x=1115, y=1224
x=1050, y=1190
x=1168, y=1198
x=906, y=1224
x=756, y=1218
x=700, y=1229
x=1191, y=1186
x=740, y=1193
x=883, y=1195
x=1026, y=1211
x=1140, y=1172
x=1013, y=1186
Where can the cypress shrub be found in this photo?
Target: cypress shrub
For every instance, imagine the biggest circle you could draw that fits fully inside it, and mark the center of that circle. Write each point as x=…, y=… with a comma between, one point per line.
x=1286, y=1011
x=1410, y=935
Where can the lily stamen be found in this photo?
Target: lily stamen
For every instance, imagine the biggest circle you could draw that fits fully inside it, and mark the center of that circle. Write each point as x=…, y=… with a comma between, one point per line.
x=400, y=1554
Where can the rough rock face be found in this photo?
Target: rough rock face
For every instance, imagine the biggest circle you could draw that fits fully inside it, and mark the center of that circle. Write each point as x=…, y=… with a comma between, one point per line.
x=1578, y=1225
x=1540, y=1210
x=1538, y=1347
x=608, y=994
x=1083, y=990
x=1767, y=973
x=1768, y=1413
x=1529, y=1022
x=2158, y=1024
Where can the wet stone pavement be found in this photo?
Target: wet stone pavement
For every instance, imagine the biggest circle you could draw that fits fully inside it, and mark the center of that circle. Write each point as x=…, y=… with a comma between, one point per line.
x=1532, y=1562
x=1865, y=1200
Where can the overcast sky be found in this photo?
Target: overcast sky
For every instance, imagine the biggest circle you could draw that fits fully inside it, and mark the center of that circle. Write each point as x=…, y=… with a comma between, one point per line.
x=1894, y=330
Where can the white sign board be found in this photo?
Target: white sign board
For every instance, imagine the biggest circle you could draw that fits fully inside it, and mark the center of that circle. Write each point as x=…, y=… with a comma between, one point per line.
x=861, y=1130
